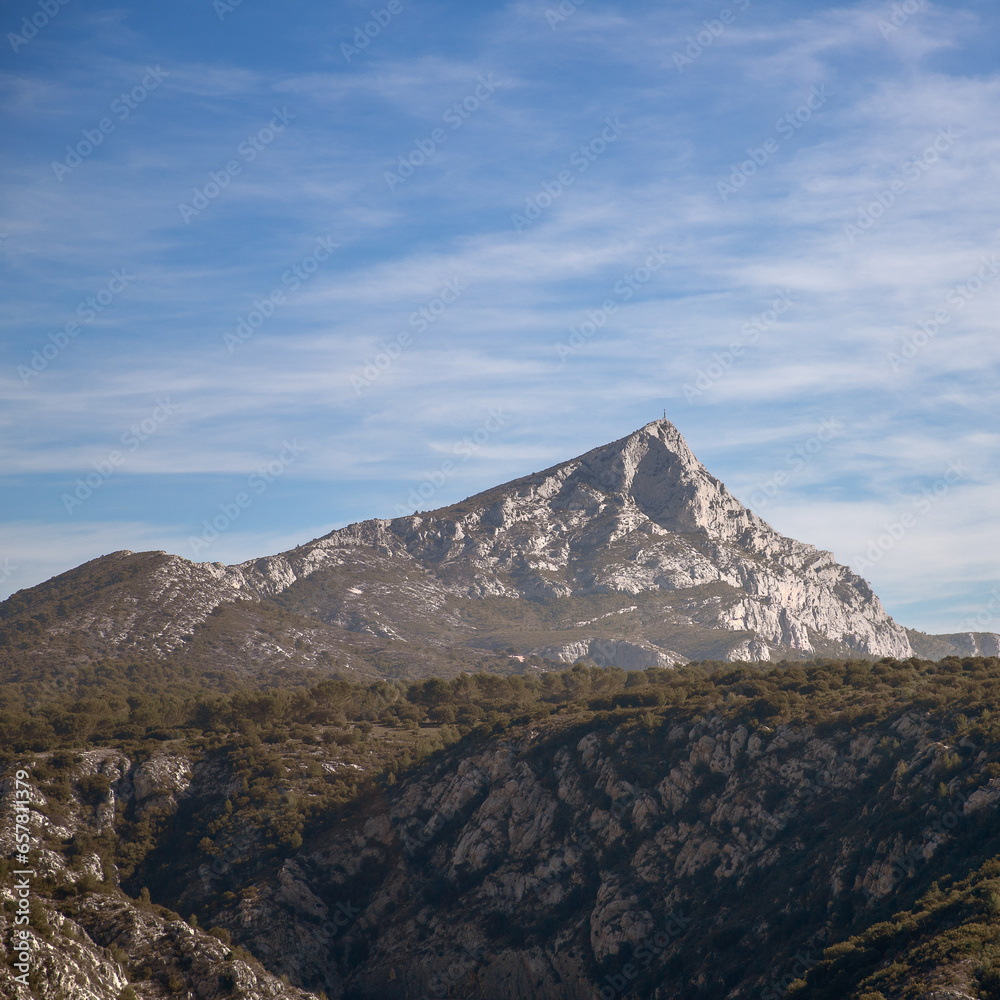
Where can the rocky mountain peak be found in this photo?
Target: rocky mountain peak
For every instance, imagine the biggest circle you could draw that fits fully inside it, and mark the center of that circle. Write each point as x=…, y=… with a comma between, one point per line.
x=656, y=451
x=649, y=477
x=631, y=554
x=656, y=470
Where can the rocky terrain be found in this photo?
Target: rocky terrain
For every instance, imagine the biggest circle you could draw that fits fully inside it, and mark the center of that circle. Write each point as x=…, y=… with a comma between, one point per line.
x=89, y=945
x=936, y=647
x=537, y=868
x=360, y=770
x=631, y=555
x=848, y=847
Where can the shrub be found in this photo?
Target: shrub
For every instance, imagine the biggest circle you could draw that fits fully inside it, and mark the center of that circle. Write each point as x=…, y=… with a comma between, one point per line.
x=94, y=788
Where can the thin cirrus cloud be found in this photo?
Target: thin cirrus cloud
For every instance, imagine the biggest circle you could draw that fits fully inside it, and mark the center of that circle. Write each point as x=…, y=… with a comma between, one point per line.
x=863, y=263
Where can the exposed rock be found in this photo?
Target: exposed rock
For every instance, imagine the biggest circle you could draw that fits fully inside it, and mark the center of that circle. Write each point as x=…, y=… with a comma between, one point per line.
x=611, y=653
x=536, y=864
x=112, y=944
x=936, y=647
x=477, y=866
x=160, y=782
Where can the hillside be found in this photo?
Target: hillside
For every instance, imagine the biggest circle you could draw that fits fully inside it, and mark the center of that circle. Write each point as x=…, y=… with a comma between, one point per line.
x=813, y=830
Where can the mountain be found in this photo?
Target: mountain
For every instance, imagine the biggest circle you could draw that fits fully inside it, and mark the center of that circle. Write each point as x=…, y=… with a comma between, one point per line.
x=937, y=647
x=816, y=830
x=631, y=555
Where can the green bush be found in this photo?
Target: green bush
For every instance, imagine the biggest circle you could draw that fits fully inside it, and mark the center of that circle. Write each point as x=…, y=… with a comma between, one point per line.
x=94, y=788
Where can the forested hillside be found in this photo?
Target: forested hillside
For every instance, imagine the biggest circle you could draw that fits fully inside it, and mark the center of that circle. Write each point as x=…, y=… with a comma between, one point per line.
x=826, y=829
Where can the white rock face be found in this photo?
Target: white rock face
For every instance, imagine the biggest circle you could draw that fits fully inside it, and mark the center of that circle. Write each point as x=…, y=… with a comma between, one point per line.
x=160, y=782
x=612, y=652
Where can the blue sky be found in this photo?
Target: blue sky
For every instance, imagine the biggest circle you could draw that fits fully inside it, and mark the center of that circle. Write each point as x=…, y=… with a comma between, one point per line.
x=291, y=266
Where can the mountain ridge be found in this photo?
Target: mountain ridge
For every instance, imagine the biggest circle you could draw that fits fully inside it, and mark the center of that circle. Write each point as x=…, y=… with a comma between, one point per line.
x=631, y=554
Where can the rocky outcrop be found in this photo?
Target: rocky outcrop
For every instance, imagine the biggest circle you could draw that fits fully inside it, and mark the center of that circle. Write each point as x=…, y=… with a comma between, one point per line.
x=611, y=653
x=542, y=865
x=936, y=647
x=159, y=783
x=86, y=939
x=114, y=948
x=683, y=856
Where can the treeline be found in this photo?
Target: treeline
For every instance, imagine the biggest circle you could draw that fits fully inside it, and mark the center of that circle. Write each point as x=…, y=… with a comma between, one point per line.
x=153, y=699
